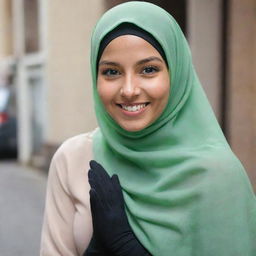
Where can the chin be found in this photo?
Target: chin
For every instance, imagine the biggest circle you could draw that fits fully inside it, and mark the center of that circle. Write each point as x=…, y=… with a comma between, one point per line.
x=133, y=128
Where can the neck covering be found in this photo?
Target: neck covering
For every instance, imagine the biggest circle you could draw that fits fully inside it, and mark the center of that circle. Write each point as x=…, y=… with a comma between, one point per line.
x=129, y=29
x=185, y=192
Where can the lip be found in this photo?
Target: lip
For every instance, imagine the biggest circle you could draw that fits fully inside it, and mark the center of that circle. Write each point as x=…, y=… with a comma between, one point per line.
x=135, y=113
x=132, y=104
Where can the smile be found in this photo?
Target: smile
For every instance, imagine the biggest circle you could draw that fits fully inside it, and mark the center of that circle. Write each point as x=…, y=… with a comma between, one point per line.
x=133, y=107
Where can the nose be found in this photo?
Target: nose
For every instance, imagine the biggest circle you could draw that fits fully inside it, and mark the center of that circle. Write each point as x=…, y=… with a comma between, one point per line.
x=130, y=87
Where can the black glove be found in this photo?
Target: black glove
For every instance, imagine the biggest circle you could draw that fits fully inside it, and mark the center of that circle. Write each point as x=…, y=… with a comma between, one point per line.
x=95, y=249
x=110, y=224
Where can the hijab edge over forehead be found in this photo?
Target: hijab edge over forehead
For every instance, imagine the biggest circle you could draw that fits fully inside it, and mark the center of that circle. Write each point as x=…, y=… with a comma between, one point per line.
x=129, y=29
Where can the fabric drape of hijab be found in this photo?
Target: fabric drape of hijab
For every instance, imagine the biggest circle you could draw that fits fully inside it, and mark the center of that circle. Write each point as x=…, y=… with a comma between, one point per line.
x=185, y=191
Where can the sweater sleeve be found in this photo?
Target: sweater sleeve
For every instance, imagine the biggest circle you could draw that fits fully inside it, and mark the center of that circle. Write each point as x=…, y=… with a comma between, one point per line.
x=57, y=233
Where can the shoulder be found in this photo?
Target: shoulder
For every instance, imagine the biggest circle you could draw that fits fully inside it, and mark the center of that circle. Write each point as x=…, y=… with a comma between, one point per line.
x=70, y=163
x=77, y=146
x=73, y=155
x=75, y=143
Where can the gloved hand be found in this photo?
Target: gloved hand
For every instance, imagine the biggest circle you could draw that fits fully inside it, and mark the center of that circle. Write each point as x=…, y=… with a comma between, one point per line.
x=95, y=249
x=110, y=224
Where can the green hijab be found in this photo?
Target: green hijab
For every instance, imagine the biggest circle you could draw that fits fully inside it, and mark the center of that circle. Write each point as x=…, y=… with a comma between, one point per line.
x=185, y=191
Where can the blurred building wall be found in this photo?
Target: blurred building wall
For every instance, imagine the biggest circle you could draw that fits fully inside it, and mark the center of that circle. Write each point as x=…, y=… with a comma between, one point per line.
x=241, y=94
x=70, y=108
x=5, y=29
x=204, y=35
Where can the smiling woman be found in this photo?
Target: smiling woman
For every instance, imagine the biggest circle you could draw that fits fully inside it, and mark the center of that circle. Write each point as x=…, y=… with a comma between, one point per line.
x=166, y=181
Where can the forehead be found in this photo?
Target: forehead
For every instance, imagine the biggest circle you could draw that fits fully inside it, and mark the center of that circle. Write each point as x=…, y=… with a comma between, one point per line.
x=129, y=45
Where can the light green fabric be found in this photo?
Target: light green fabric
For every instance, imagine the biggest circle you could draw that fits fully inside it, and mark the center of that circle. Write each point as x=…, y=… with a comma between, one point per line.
x=185, y=191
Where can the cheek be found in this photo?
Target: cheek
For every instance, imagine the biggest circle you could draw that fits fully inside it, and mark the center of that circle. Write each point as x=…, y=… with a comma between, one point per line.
x=105, y=92
x=162, y=98
x=160, y=90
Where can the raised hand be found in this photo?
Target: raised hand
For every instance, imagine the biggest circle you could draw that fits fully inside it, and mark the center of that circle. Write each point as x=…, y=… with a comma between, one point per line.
x=110, y=224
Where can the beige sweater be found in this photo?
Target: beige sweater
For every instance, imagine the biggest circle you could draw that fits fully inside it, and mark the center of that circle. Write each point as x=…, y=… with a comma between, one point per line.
x=67, y=227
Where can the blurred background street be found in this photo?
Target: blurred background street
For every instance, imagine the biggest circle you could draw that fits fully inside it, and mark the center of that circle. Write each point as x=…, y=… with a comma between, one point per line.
x=22, y=191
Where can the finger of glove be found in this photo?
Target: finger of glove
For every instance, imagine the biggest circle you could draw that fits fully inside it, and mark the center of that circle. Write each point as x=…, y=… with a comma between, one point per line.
x=116, y=182
x=100, y=171
x=99, y=186
x=117, y=189
x=97, y=182
x=102, y=180
x=96, y=205
x=107, y=186
x=93, y=179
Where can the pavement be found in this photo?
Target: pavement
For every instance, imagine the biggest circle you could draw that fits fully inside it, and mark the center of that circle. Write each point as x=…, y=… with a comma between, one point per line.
x=22, y=198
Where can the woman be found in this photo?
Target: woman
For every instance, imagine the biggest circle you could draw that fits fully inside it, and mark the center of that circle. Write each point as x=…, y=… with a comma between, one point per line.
x=185, y=193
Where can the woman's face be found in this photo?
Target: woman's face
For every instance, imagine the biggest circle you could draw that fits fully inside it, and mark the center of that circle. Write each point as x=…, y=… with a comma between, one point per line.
x=133, y=82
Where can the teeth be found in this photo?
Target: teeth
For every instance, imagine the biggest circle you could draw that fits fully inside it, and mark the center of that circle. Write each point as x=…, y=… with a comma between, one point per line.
x=133, y=108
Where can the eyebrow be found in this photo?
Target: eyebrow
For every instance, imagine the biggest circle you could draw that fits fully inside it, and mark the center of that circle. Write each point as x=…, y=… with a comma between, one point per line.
x=140, y=62
x=153, y=58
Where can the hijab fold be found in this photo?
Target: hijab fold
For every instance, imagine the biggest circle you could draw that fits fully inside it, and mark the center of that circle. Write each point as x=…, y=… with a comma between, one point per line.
x=185, y=191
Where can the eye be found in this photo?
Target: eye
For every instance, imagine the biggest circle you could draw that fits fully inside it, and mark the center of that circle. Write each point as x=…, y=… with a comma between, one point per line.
x=150, y=70
x=110, y=72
